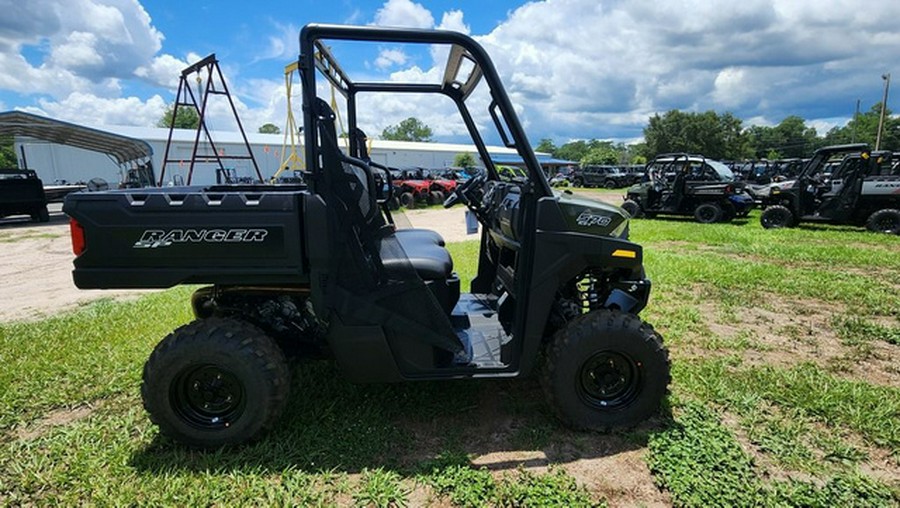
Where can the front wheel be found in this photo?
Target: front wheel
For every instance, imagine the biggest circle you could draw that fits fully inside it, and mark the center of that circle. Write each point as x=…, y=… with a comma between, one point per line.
x=884, y=221
x=632, y=207
x=776, y=216
x=214, y=382
x=606, y=369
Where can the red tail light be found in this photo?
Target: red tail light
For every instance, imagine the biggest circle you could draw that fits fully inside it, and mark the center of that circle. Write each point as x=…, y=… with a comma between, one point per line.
x=77, y=237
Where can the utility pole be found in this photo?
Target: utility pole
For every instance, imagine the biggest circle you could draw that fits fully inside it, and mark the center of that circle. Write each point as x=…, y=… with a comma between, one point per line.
x=887, y=86
x=855, y=122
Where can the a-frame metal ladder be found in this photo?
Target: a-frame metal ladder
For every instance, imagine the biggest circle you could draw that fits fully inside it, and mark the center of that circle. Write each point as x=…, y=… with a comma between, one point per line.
x=215, y=85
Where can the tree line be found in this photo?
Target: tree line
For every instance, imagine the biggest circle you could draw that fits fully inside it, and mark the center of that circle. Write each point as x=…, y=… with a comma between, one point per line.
x=724, y=137
x=717, y=136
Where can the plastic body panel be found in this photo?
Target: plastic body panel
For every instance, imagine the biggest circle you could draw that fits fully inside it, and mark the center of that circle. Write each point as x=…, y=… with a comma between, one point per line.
x=158, y=238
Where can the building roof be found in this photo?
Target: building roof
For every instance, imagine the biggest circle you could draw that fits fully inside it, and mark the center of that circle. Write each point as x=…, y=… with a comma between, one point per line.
x=153, y=134
x=514, y=159
x=121, y=148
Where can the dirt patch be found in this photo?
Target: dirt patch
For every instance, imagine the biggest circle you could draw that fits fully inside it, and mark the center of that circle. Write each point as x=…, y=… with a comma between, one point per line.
x=56, y=418
x=449, y=222
x=503, y=440
x=786, y=334
x=36, y=270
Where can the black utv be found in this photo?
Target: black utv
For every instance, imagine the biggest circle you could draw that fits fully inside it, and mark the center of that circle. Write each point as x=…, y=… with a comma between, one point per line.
x=841, y=184
x=684, y=184
x=607, y=176
x=322, y=271
x=22, y=192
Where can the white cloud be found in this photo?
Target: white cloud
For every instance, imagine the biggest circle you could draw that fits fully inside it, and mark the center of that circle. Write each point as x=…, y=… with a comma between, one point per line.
x=390, y=57
x=404, y=13
x=283, y=44
x=164, y=70
x=89, y=109
x=453, y=20
x=80, y=46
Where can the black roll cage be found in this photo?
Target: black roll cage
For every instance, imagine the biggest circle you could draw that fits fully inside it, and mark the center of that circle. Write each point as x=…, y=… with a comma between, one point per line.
x=315, y=55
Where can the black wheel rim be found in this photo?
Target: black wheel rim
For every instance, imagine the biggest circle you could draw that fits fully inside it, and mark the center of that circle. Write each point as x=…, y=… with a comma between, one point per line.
x=887, y=225
x=609, y=380
x=707, y=213
x=775, y=219
x=208, y=396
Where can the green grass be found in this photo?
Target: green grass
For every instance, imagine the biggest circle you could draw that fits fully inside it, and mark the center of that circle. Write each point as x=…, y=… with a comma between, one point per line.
x=742, y=432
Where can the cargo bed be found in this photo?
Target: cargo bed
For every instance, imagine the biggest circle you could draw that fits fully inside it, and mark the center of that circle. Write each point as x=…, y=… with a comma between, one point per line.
x=158, y=238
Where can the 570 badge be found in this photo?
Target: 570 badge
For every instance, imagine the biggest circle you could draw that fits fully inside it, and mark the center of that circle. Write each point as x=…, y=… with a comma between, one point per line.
x=589, y=218
x=155, y=238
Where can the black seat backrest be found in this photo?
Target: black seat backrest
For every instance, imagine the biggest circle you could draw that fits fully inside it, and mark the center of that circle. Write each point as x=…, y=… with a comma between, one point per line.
x=349, y=179
x=358, y=146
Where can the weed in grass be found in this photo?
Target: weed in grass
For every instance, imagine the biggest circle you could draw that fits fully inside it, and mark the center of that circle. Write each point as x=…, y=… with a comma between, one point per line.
x=846, y=490
x=381, y=489
x=856, y=331
x=463, y=485
x=701, y=463
x=867, y=409
x=782, y=438
x=556, y=488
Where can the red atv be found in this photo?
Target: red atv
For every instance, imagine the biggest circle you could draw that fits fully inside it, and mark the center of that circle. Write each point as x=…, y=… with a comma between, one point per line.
x=443, y=184
x=411, y=186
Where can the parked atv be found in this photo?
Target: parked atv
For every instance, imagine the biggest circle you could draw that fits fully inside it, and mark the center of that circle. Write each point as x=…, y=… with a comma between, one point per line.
x=321, y=271
x=411, y=187
x=860, y=190
x=682, y=184
x=442, y=184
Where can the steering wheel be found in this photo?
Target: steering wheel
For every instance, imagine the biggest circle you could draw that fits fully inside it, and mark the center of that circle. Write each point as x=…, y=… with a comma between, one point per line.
x=459, y=194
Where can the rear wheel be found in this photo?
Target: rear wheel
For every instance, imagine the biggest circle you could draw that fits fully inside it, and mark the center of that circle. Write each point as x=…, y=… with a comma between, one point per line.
x=606, y=369
x=610, y=184
x=776, y=216
x=884, y=221
x=407, y=200
x=435, y=197
x=632, y=207
x=215, y=382
x=707, y=213
x=41, y=215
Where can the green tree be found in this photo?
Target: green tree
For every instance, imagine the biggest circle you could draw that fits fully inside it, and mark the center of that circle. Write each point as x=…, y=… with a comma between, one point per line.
x=573, y=150
x=8, y=157
x=864, y=129
x=546, y=145
x=269, y=128
x=411, y=129
x=188, y=118
x=713, y=135
x=601, y=152
x=790, y=138
x=464, y=160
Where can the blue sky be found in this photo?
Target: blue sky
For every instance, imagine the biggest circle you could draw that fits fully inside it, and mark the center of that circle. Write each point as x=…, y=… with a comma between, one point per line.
x=574, y=68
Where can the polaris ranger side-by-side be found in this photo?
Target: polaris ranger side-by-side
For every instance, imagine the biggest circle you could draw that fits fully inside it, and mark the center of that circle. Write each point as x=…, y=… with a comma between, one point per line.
x=861, y=190
x=321, y=270
x=684, y=184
